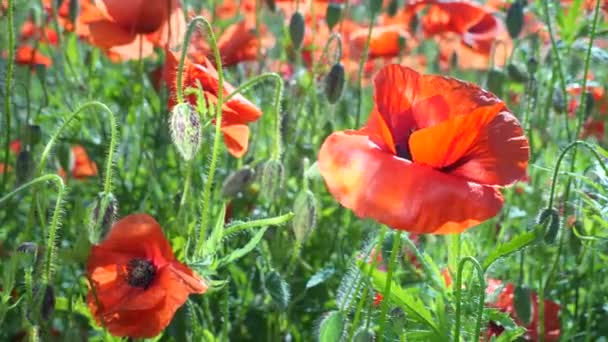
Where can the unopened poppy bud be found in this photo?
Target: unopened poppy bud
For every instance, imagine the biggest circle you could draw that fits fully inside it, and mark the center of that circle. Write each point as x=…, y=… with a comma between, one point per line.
x=333, y=14
x=334, y=83
x=305, y=215
x=48, y=302
x=24, y=166
x=495, y=81
x=522, y=303
x=185, y=129
x=375, y=6
x=559, y=103
x=532, y=65
x=103, y=216
x=272, y=179
x=516, y=73
x=548, y=224
x=34, y=135
x=272, y=5
x=27, y=247
x=237, y=181
x=296, y=30
x=590, y=103
x=393, y=6
x=515, y=19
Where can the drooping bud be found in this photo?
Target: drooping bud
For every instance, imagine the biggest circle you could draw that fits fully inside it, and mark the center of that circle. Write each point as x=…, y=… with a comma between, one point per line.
x=334, y=83
x=559, y=103
x=522, y=303
x=548, y=224
x=333, y=14
x=515, y=19
x=48, y=302
x=237, y=181
x=296, y=30
x=185, y=127
x=375, y=6
x=24, y=166
x=516, y=73
x=272, y=5
x=27, y=247
x=278, y=289
x=103, y=216
x=495, y=81
x=305, y=215
x=272, y=179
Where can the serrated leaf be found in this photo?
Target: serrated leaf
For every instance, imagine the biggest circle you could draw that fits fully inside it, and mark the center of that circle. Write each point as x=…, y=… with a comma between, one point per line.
x=321, y=276
x=331, y=327
x=278, y=289
x=241, y=252
x=504, y=249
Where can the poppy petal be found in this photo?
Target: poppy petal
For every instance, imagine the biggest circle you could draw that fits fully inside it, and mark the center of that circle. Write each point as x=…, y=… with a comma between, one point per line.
x=236, y=138
x=444, y=144
x=139, y=228
x=374, y=183
x=500, y=154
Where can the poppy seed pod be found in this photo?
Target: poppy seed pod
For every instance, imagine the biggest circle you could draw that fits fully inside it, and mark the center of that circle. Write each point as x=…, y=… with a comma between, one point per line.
x=333, y=14
x=237, y=181
x=272, y=179
x=305, y=215
x=103, y=216
x=515, y=19
x=24, y=166
x=334, y=83
x=185, y=127
x=296, y=30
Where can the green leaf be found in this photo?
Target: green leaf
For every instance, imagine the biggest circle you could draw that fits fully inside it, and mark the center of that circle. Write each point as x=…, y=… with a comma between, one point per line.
x=278, y=289
x=215, y=238
x=321, y=276
x=522, y=303
x=241, y=252
x=331, y=327
x=504, y=249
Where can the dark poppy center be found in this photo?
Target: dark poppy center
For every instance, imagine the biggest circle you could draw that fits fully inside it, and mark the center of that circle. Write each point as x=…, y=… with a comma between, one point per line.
x=140, y=272
x=403, y=148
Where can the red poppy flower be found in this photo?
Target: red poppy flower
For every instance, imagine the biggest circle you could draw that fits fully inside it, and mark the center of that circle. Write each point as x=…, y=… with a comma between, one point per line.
x=81, y=165
x=385, y=41
x=431, y=157
x=476, y=27
x=505, y=302
x=128, y=29
x=596, y=91
x=593, y=128
x=237, y=112
x=29, y=55
x=138, y=282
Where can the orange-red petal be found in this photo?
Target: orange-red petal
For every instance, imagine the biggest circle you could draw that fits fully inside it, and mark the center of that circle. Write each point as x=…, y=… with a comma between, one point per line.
x=394, y=191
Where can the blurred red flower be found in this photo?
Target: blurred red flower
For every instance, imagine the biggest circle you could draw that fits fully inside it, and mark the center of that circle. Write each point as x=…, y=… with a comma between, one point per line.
x=237, y=112
x=138, y=284
x=81, y=166
x=431, y=157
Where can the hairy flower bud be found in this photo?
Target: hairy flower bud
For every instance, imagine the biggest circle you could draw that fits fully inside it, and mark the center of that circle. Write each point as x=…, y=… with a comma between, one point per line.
x=272, y=179
x=296, y=30
x=515, y=19
x=185, y=127
x=548, y=224
x=103, y=216
x=24, y=166
x=334, y=83
x=237, y=181
x=333, y=14
x=305, y=215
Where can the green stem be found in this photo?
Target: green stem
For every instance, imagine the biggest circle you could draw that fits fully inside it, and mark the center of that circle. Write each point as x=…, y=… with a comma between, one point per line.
x=187, y=183
x=562, y=81
x=278, y=94
x=107, y=188
x=589, y=306
x=50, y=244
x=561, y=157
x=360, y=73
x=7, y=88
x=389, y=281
x=273, y=221
x=583, y=106
x=481, y=295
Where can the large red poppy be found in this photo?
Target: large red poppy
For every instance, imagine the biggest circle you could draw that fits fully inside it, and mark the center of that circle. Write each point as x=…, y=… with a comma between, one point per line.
x=236, y=112
x=477, y=27
x=431, y=157
x=138, y=282
x=130, y=29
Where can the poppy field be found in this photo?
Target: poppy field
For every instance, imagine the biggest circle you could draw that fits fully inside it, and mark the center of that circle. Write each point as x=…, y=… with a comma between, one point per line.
x=303, y=170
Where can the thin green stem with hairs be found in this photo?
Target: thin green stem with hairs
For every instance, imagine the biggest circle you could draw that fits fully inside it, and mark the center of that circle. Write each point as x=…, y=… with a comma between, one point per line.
x=8, y=83
x=272, y=221
x=481, y=296
x=389, y=282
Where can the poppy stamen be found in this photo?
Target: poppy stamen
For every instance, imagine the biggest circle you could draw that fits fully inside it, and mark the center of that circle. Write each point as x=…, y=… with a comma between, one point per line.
x=140, y=272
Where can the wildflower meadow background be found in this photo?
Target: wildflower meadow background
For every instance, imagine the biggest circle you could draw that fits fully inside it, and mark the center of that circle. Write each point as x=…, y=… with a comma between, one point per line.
x=357, y=170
